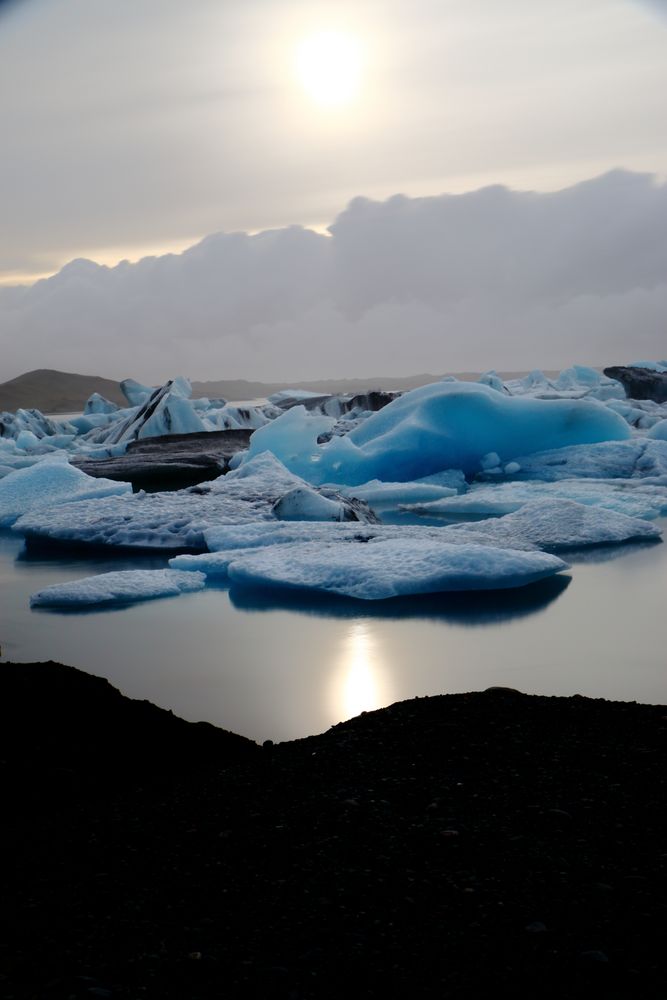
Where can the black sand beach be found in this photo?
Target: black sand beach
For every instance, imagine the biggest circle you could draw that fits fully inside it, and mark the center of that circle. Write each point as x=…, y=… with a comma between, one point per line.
x=456, y=846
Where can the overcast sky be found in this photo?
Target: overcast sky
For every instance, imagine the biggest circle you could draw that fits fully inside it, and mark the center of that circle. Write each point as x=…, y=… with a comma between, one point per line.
x=134, y=127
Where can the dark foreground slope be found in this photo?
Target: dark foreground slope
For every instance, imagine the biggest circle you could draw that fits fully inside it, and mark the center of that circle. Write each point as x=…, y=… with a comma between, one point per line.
x=443, y=847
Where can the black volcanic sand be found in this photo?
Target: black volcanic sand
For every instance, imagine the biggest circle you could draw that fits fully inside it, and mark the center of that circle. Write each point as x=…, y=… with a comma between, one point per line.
x=459, y=846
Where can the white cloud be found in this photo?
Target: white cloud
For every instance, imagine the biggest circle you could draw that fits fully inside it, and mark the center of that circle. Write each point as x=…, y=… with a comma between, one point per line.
x=492, y=278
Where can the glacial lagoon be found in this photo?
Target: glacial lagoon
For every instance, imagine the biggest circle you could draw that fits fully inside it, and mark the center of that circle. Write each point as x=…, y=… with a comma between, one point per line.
x=280, y=667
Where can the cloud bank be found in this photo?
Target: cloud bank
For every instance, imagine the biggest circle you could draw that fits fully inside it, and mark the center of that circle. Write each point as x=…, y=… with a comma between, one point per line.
x=492, y=278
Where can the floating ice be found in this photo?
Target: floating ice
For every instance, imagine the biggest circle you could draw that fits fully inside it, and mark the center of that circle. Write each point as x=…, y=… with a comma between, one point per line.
x=640, y=458
x=550, y=524
x=634, y=500
x=390, y=568
x=99, y=404
x=306, y=504
x=49, y=483
x=659, y=431
x=175, y=520
x=135, y=393
x=563, y=524
x=446, y=425
x=228, y=543
x=122, y=587
x=11, y=424
x=166, y=411
x=389, y=496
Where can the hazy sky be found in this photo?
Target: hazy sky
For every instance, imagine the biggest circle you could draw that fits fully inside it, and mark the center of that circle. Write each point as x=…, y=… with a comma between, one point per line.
x=130, y=127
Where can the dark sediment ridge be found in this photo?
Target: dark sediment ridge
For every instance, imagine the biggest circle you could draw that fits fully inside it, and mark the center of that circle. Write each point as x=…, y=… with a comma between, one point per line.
x=170, y=462
x=456, y=846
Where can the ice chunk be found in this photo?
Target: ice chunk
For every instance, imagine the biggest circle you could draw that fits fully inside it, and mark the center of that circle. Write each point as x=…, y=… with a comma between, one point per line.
x=640, y=458
x=174, y=520
x=305, y=504
x=493, y=381
x=390, y=568
x=634, y=500
x=389, y=496
x=27, y=440
x=653, y=366
x=261, y=534
x=48, y=483
x=11, y=424
x=135, y=393
x=445, y=425
x=292, y=438
x=291, y=397
x=490, y=461
x=166, y=411
x=98, y=404
x=544, y=524
x=659, y=431
x=123, y=587
x=563, y=524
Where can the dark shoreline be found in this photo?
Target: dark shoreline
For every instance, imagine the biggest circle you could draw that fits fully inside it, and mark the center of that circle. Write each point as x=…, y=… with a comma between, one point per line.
x=453, y=846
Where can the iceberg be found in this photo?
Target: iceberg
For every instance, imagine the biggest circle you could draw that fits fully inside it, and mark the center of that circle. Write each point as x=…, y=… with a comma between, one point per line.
x=549, y=524
x=391, y=568
x=633, y=500
x=166, y=411
x=562, y=524
x=637, y=459
x=230, y=543
x=306, y=504
x=171, y=520
x=122, y=587
x=390, y=496
x=47, y=484
x=445, y=425
x=99, y=404
x=659, y=431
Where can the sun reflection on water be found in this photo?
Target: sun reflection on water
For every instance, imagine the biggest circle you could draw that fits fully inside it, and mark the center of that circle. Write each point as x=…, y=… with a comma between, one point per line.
x=359, y=684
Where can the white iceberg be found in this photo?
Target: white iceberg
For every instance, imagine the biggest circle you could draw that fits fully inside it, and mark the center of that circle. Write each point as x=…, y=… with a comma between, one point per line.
x=658, y=431
x=305, y=504
x=175, y=520
x=391, y=568
x=633, y=499
x=562, y=524
x=48, y=484
x=229, y=543
x=390, y=496
x=642, y=458
x=123, y=587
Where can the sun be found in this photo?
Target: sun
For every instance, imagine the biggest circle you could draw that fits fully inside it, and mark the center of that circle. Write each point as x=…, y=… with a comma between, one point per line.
x=329, y=68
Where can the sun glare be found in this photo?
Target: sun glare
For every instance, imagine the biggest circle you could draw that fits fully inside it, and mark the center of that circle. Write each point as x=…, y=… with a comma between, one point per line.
x=329, y=68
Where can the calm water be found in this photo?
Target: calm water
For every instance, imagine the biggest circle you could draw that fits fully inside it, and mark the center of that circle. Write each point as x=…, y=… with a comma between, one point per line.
x=275, y=667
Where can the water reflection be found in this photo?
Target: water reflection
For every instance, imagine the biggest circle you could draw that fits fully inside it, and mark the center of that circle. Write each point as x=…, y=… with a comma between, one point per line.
x=598, y=554
x=359, y=683
x=475, y=608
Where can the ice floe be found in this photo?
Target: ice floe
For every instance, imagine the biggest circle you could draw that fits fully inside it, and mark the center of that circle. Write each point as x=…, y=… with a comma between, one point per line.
x=638, y=459
x=123, y=587
x=48, y=484
x=391, y=568
x=171, y=520
x=543, y=524
x=562, y=524
x=483, y=500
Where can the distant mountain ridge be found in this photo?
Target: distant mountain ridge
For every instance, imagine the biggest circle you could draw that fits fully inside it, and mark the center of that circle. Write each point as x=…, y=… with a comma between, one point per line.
x=55, y=392
x=65, y=392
